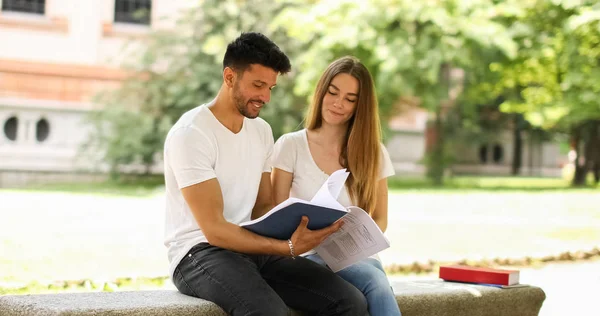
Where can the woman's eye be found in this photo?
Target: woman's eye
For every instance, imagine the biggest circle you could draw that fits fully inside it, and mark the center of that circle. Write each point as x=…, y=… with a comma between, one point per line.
x=352, y=101
x=331, y=92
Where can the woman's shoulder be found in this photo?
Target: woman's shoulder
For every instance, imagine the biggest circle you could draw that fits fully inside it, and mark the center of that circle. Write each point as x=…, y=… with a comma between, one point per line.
x=297, y=134
x=386, y=165
x=293, y=137
x=383, y=149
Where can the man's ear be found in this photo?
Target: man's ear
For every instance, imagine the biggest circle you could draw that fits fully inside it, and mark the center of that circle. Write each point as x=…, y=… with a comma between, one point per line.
x=229, y=76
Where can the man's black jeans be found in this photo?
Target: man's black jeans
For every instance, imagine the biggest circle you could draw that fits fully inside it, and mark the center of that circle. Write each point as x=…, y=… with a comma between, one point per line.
x=247, y=285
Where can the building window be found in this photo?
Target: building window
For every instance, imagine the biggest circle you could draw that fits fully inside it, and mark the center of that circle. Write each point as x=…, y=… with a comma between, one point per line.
x=483, y=154
x=26, y=6
x=498, y=153
x=42, y=130
x=10, y=128
x=133, y=11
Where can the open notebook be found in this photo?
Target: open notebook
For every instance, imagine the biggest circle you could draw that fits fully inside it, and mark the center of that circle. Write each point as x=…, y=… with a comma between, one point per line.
x=359, y=238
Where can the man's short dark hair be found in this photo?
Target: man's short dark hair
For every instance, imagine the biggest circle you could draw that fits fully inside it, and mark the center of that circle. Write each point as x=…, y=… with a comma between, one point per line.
x=255, y=48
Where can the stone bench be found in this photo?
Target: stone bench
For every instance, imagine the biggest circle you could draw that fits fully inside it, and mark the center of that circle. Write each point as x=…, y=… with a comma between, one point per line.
x=416, y=298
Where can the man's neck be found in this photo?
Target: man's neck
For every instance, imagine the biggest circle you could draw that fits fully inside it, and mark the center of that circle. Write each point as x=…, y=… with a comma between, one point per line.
x=226, y=113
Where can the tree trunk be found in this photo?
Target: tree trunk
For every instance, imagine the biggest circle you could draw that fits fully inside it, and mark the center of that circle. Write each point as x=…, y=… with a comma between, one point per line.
x=580, y=169
x=579, y=176
x=594, y=146
x=437, y=167
x=437, y=164
x=150, y=143
x=597, y=171
x=517, y=146
x=532, y=137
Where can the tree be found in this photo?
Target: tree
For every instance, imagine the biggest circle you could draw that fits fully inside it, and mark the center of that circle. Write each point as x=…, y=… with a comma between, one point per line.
x=554, y=79
x=177, y=69
x=411, y=48
x=581, y=87
x=457, y=57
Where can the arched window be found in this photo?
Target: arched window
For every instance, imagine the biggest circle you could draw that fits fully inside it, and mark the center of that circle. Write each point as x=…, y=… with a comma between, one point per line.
x=483, y=154
x=11, y=127
x=42, y=130
x=498, y=153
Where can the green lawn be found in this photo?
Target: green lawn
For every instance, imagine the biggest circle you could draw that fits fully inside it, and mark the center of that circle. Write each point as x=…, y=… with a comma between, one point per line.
x=486, y=183
x=113, y=231
x=140, y=186
x=145, y=186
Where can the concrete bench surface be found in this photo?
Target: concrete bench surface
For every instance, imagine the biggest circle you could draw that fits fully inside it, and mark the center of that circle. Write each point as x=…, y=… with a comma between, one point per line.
x=418, y=298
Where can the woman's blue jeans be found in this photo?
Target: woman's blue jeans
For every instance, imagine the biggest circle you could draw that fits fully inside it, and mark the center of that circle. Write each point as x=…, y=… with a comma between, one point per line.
x=369, y=277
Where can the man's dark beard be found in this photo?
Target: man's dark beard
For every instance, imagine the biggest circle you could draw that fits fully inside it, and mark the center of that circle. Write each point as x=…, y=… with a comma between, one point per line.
x=242, y=105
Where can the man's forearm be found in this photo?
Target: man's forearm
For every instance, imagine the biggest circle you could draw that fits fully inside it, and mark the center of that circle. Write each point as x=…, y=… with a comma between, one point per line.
x=233, y=237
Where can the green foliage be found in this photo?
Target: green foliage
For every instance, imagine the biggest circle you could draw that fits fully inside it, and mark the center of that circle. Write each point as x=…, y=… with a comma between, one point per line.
x=404, y=43
x=176, y=70
x=554, y=79
x=535, y=58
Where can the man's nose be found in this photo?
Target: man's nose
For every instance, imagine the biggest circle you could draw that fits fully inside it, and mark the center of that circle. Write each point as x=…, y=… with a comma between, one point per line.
x=265, y=97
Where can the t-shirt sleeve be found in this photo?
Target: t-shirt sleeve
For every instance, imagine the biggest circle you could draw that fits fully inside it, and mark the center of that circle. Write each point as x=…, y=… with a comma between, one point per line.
x=284, y=154
x=191, y=156
x=387, y=168
x=269, y=147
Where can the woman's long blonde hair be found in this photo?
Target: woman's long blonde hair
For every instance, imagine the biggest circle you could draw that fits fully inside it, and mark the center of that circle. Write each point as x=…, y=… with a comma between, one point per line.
x=360, y=152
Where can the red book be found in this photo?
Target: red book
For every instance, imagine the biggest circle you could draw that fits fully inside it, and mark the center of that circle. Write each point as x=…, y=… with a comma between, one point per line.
x=479, y=275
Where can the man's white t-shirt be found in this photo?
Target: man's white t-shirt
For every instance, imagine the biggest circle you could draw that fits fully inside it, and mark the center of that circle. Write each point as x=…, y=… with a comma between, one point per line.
x=292, y=154
x=199, y=148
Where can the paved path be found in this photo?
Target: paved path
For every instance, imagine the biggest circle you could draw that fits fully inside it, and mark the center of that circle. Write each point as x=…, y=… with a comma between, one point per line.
x=571, y=289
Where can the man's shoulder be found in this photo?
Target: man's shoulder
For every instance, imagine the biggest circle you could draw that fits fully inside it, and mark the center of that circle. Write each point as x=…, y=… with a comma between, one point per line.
x=197, y=117
x=192, y=122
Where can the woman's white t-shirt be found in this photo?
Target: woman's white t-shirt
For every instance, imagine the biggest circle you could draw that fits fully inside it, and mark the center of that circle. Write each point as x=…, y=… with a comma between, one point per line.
x=292, y=154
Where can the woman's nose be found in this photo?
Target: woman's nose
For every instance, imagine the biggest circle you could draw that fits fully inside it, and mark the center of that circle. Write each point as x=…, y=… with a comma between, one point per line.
x=337, y=102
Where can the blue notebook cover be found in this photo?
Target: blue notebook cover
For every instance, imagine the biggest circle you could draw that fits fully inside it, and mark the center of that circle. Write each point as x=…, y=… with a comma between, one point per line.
x=283, y=223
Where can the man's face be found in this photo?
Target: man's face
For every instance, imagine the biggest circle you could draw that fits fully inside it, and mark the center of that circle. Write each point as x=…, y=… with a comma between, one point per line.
x=252, y=89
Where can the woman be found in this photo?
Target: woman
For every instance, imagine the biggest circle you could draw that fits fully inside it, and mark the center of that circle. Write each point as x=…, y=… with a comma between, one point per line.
x=342, y=131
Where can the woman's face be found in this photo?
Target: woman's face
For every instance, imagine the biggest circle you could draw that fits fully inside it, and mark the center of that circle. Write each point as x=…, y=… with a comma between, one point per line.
x=340, y=99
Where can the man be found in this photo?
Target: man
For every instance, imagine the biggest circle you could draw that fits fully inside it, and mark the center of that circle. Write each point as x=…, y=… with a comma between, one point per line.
x=217, y=173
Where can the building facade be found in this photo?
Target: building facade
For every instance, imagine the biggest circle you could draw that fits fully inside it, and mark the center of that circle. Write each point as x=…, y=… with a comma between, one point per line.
x=55, y=55
x=411, y=132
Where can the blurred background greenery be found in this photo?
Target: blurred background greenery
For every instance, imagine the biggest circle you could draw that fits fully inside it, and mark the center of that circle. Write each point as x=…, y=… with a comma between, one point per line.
x=476, y=66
